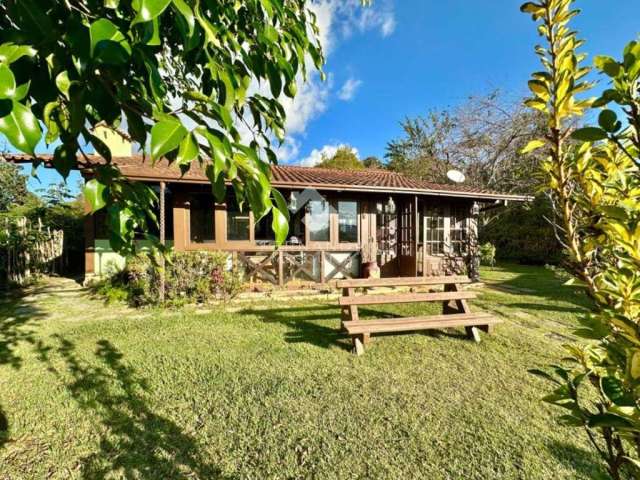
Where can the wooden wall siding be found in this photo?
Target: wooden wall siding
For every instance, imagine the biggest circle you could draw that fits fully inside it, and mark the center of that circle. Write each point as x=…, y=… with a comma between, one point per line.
x=332, y=259
x=366, y=227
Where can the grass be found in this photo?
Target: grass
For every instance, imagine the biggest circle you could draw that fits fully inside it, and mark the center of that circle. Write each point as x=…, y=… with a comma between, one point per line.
x=268, y=389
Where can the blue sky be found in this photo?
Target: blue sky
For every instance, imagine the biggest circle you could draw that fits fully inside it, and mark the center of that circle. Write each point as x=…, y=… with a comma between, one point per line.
x=402, y=58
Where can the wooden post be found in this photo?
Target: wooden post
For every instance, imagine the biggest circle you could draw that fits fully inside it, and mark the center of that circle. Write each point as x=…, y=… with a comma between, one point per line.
x=323, y=278
x=89, y=240
x=280, y=269
x=473, y=250
x=162, y=240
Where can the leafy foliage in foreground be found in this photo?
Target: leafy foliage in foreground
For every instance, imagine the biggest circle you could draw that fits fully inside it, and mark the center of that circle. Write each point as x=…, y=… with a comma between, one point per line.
x=190, y=277
x=153, y=69
x=596, y=190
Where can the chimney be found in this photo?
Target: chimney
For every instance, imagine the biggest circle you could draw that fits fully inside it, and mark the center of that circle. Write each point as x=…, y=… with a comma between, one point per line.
x=119, y=146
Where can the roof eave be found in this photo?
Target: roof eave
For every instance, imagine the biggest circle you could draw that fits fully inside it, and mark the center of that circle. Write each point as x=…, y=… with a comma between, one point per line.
x=361, y=188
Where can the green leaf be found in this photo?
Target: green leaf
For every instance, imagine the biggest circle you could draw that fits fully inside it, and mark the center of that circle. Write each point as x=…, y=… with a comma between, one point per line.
x=64, y=160
x=94, y=194
x=608, y=120
x=275, y=80
x=166, y=136
x=111, y=4
x=533, y=8
x=108, y=44
x=532, y=146
x=9, y=52
x=100, y=147
x=21, y=128
x=7, y=82
x=608, y=65
x=22, y=91
x=150, y=9
x=63, y=83
x=280, y=225
x=187, y=13
x=613, y=389
x=608, y=420
x=589, y=134
x=189, y=150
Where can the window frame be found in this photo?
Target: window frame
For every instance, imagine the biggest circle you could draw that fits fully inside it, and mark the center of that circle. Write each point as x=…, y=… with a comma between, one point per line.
x=335, y=231
x=442, y=212
x=189, y=242
x=463, y=242
x=307, y=219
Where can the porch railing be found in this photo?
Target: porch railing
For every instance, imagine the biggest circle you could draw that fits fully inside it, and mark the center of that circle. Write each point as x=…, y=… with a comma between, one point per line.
x=280, y=267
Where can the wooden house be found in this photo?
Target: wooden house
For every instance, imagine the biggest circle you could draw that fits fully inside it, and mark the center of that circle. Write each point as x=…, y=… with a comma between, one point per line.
x=339, y=220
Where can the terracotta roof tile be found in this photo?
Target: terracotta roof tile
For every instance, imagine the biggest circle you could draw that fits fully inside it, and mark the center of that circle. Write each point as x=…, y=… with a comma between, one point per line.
x=300, y=177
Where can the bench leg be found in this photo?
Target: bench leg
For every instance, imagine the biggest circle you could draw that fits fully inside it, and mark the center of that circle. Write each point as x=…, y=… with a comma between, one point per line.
x=474, y=333
x=358, y=344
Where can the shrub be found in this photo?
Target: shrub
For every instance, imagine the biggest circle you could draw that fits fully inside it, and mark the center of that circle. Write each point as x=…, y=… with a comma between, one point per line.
x=522, y=233
x=189, y=277
x=487, y=253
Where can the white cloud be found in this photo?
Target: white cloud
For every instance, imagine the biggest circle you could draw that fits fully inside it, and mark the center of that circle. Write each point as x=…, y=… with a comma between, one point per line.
x=348, y=90
x=316, y=156
x=388, y=25
x=289, y=150
x=310, y=102
x=352, y=17
x=336, y=20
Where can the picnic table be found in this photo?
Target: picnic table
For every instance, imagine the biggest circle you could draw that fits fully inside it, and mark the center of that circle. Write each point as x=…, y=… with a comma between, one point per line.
x=455, y=308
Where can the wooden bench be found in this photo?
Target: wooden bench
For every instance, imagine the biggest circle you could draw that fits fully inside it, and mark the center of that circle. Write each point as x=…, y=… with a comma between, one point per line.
x=455, y=309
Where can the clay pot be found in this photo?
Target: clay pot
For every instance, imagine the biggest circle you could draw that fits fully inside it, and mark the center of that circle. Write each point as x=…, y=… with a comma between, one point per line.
x=370, y=270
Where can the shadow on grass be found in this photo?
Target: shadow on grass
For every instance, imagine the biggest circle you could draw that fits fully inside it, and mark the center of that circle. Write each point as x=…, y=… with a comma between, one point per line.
x=314, y=324
x=4, y=428
x=319, y=325
x=17, y=319
x=584, y=462
x=136, y=442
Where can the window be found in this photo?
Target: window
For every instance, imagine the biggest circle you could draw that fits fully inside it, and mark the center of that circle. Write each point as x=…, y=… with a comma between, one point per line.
x=459, y=223
x=434, y=234
x=100, y=224
x=264, y=234
x=238, y=222
x=296, y=228
x=318, y=221
x=201, y=219
x=347, y=222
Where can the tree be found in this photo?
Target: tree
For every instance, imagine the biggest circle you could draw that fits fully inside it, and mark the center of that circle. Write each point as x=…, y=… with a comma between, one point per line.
x=13, y=186
x=595, y=187
x=344, y=159
x=482, y=137
x=179, y=75
x=373, y=162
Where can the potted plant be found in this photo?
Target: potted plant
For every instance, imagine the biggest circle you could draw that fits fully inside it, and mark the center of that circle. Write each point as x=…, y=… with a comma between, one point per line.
x=370, y=268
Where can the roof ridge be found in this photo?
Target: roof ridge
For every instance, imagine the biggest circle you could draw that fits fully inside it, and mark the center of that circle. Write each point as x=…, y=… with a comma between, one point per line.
x=339, y=170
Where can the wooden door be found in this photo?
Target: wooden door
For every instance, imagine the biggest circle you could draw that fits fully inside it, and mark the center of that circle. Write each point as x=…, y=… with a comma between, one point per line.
x=407, y=241
x=387, y=239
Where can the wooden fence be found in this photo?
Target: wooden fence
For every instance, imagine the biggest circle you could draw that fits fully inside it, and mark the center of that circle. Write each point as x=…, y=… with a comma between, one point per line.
x=28, y=249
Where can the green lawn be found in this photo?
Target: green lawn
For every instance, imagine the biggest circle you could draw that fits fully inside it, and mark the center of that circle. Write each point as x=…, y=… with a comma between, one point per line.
x=268, y=389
